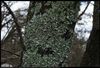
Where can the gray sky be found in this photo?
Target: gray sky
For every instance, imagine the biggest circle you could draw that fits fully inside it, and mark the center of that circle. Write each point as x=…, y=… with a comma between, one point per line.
x=86, y=20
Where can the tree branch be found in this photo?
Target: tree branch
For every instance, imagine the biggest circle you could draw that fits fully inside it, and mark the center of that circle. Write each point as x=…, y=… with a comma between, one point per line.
x=10, y=52
x=8, y=30
x=84, y=10
x=72, y=26
x=5, y=23
x=18, y=27
x=9, y=35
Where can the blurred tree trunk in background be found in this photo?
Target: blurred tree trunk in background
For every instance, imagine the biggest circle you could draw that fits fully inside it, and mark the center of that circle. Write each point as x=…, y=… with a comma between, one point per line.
x=78, y=47
x=76, y=52
x=10, y=44
x=92, y=55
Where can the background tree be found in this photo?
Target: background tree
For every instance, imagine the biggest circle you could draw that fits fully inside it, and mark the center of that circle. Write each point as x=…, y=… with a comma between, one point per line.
x=10, y=43
x=78, y=46
x=92, y=55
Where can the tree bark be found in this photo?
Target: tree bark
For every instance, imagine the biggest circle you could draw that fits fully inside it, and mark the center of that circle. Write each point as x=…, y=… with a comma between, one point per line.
x=92, y=54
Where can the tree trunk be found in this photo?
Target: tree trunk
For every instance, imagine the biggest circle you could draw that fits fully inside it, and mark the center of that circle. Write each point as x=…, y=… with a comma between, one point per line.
x=47, y=35
x=92, y=55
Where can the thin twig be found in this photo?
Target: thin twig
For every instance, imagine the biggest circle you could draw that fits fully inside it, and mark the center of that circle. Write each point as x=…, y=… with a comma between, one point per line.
x=5, y=23
x=7, y=32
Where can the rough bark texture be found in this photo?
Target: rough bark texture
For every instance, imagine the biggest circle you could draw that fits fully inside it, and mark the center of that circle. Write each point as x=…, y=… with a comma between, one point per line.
x=47, y=33
x=92, y=55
